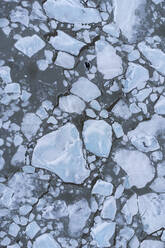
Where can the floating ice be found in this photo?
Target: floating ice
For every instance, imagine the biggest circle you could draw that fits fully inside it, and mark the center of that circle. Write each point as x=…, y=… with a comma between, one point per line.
x=126, y=18
x=79, y=213
x=152, y=211
x=66, y=43
x=111, y=29
x=4, y=22
x=5, y=74
x=121, y=110
x=152, y=243
x=143, y=137
x=30, y=45
x=71, y=12
x=2, y=162
x=13, y=88
x=13, y=229
x=118, y=130
x=136, y=76
x=32, y=229
x=37, y=12
x=30, y=125
x=45, y=241
x=71, y=104
x=108, y=62
x=160, y=106
x=102, y=188
x=85, y=89
x=97, y=135
x=155, y=56
x=61, y=152
x=130, y=208
x=103, y=232
x=158, y=185
x=65, y=60
x=109, y=208
x=20, y=15
x=139, y=174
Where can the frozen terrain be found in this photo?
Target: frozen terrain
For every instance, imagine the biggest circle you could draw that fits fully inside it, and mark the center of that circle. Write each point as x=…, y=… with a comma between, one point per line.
x=82, y=124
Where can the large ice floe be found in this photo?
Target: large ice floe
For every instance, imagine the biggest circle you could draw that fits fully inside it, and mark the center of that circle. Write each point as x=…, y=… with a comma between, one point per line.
x=45, y=241
x=71, y=11
x=61, y=153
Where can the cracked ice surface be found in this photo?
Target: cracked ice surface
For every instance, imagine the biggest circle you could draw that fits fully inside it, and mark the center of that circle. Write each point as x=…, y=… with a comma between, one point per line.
x=61, y=153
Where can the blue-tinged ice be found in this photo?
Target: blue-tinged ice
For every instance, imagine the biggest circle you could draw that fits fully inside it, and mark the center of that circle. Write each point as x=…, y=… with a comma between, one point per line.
x=97, y=135
x=71, y=104
x=102, y=188
x=152, y=243
x=45, y=241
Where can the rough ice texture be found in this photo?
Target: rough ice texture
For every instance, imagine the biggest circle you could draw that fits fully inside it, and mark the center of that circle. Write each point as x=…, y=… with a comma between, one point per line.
x=103, y=232
x=45, y=241
x=152, y=243
x=154, y=55
x=137, y=166
x=30, y=125
x=5, y=74
x=144, y=136
x=71, y=12
x=85, y=89
x=136, y=77
x=66, y=43
x=61, y=153
x=126, y=18
x=121, y=110
x=109, y=208
x=30, y=45
x=108, y=62
x=160, y=106
x=102, y=188
x=79, y=213
x=152, y=211
x=71, y=104
x=130, y=208
x=65, y=60
x=20, y=15
x=97, y=135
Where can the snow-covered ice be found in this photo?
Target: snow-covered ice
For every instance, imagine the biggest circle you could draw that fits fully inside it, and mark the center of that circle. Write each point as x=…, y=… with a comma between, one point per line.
x=130, y=208
x=5, y=74
x=71, y=104
x=121, y=110
x=152, y=243
x=109, y=208
x=85, y=89
x=30, y=45
x=160, y=106
x=97, y=135
x=71, y=12
x=61, y=153
x=102, y=188
x=66, y=43
x=108, y=62
x=65, y=60
x=20, y=15
x=32, y=229
x=139, y=173
x=45, y=241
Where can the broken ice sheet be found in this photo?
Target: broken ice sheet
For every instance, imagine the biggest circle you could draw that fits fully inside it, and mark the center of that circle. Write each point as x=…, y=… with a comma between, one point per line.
x=30, y=45
x=61, y=153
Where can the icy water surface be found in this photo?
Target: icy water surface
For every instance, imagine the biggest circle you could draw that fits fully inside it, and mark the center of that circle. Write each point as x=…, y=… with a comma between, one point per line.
x=82, y=124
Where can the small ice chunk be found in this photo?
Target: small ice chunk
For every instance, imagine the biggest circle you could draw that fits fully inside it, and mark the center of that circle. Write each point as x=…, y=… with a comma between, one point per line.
x=129, y=161
x=111, y=29
x=79, y=213
x=134, y=242
x=30, y=45
x=134, y=55
x=109, y=208
x=19, y=156
x=152, y=211
x=89, y=112
x=97, y=135
x=103, y=232
x=4, y=22
x=155, y=56
x=20, y=15
x=42, y=64
x=2, y=162
x=5, y=74
x=136, y=77
x=37, y=12
x=61, y=152
x=130, y=208
x=152, y=243
x=13, y=88
x=65, y=60
x=66, y=43
x=95, y=105
x=109, y=67
x=14, y=229
x=25, y=209
x=85, y=89
x=71, y=12
x=143, y=94
x=71, y=104
x=118, y=130
x=158, y=185
x=45, y=241
x=160, y=106
x=121, y=110
x=102, y=188
x=32, y=229
x=30, y=125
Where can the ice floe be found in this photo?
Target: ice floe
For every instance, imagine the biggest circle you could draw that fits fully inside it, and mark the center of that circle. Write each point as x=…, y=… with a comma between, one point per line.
x=20, y=15
x=152, y=243
x=160, y=106
x=102, y=188
x=97, y=135
x=139, y=174
x=109, y=208
x=66, y=43
x=61, y=153
x=45, y=241
x=71, y=104
x=108, y=62
x=85, y=89
x=71, y=12
x=30, y=45
x=65, y=60
x=121, y=110
x=5, y=74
